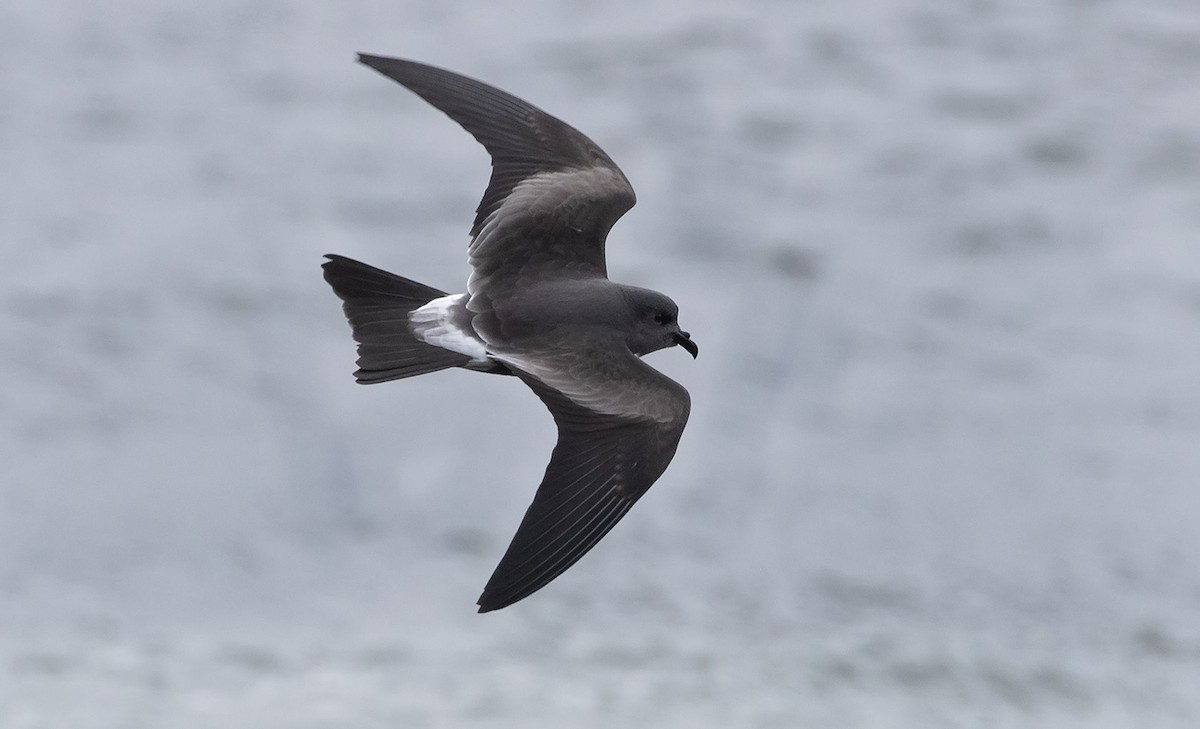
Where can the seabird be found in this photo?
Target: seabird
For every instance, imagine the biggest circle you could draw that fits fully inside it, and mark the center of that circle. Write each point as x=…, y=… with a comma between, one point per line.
x=539, y=305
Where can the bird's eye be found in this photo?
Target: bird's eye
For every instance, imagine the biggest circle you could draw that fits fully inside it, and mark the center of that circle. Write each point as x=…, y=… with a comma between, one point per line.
x=662, y=317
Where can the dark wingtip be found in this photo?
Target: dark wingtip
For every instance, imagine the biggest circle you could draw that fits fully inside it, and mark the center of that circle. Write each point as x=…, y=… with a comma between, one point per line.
x=376, y=63
x=379, y=63
x=491, y=600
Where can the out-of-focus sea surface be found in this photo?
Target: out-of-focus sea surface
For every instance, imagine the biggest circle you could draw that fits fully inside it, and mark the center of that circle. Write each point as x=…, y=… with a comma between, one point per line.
x=943, y=469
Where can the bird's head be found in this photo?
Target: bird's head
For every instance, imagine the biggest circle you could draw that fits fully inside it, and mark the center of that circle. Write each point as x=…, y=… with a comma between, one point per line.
x=656, y=323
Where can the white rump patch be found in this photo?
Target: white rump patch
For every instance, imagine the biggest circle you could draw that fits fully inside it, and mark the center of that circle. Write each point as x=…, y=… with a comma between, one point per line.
x=434, y=323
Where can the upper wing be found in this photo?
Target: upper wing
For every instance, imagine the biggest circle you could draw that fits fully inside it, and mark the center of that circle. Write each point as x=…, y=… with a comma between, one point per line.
x=618, y=426
x=553, y=194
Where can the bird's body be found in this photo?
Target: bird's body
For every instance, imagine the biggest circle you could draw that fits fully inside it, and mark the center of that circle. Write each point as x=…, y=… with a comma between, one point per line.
x=538, y=305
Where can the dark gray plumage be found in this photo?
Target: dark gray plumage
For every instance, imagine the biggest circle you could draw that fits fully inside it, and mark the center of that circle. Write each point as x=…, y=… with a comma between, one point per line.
x=539, y=305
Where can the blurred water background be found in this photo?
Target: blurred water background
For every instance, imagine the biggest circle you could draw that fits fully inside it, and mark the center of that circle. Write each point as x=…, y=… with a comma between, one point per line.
x=941, y=259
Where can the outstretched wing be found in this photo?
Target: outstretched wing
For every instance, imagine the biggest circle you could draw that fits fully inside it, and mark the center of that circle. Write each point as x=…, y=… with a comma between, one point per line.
x=619, y=422
x=553, y=194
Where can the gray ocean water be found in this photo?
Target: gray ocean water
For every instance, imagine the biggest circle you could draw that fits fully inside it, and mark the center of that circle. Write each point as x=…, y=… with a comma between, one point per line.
x=942, y=260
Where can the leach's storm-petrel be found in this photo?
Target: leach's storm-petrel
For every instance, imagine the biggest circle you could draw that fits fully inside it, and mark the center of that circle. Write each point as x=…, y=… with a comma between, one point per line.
x=539, y=305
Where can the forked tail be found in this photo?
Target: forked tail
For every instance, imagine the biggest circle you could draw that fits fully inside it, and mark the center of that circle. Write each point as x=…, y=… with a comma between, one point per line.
x=377, y=304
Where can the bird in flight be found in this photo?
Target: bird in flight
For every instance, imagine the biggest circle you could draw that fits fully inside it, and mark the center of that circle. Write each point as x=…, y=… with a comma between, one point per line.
x=539, y=305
